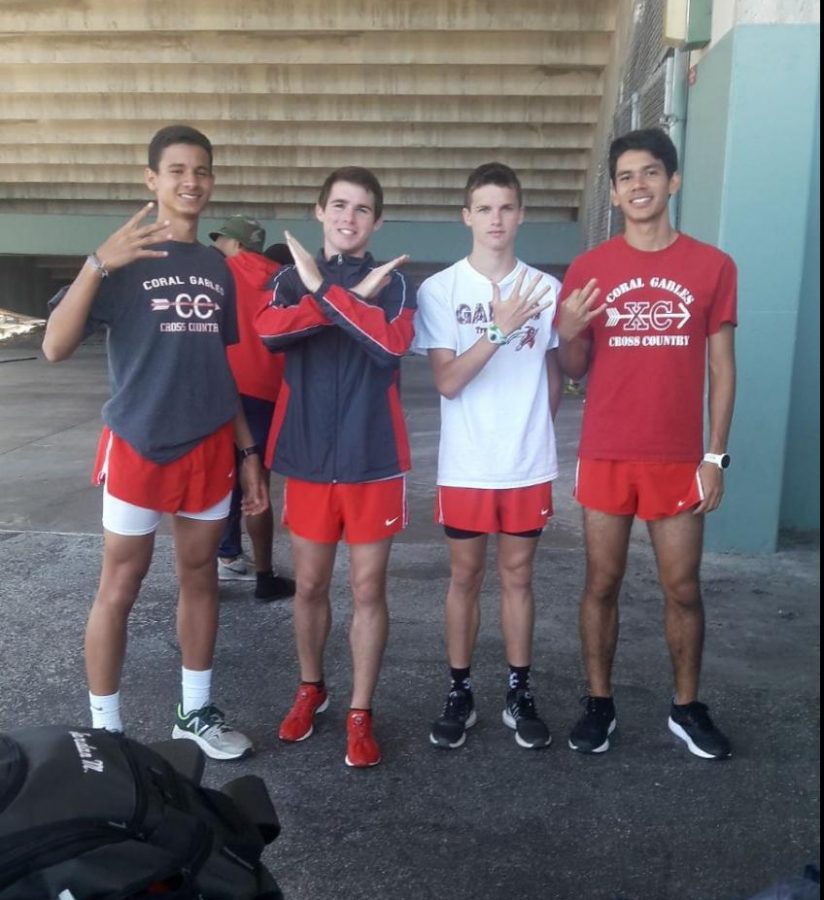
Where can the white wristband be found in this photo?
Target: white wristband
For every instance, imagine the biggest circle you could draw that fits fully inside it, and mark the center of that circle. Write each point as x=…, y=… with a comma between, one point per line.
x=98, y=265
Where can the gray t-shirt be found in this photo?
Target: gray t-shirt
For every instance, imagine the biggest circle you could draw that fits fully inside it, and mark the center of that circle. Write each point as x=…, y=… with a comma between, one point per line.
x=169, y=322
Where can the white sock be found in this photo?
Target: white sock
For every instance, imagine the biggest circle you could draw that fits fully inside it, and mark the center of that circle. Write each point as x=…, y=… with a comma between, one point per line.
x=106, y=711
x=197, y=688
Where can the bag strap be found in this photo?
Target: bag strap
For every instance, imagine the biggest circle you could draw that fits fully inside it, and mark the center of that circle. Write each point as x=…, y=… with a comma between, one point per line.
x=252, y=798
x=13, y=768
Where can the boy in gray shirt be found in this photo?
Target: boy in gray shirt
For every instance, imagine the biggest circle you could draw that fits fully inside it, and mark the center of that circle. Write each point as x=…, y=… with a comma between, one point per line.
x=170, y=426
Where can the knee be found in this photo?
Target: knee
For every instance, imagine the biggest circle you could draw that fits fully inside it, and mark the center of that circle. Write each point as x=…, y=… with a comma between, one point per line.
x=310, y=589
x=683, y=593
x=467, y=579
x=118, y=590
x=603, y=584
x=368, y=592
x=516, y=577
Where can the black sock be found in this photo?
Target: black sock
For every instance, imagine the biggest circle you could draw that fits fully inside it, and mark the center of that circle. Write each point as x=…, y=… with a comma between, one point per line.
x=518, y=678
x=268, y=574
x=460, y=679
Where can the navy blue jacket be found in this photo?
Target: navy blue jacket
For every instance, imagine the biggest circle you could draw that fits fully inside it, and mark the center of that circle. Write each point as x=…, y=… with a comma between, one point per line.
x=338, y=417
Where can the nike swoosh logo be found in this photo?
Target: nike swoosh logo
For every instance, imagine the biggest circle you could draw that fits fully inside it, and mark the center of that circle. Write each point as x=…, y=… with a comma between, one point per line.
x=389, y=522
x=544, y=512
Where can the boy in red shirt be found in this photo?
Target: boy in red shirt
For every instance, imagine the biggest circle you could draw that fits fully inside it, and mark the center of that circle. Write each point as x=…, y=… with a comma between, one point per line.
x=642, y=313
x=258, y=374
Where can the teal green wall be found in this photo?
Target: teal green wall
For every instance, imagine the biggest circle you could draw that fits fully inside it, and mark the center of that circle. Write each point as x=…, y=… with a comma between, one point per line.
x=750, y=138
x=24, y=288
x=801, y=504
x=436, y=242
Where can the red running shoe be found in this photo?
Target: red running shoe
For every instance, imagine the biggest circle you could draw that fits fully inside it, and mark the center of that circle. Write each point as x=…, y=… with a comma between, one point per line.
x=362, y=749
x=299, y=721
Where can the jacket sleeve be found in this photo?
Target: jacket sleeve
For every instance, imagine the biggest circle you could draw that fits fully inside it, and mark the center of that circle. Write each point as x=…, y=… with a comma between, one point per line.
x=384, y=329
x=292, y=314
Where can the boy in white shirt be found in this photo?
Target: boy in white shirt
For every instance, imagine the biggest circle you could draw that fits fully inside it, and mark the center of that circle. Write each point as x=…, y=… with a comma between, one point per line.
x=487, y=325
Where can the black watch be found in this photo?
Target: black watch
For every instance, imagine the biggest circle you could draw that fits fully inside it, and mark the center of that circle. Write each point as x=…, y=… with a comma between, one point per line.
x=251, y=450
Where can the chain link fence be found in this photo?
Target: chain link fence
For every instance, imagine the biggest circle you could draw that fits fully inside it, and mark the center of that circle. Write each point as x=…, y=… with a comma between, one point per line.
x=645, y=100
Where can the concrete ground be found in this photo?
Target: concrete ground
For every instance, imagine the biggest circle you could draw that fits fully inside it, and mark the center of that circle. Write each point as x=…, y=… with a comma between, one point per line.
x=646, y=821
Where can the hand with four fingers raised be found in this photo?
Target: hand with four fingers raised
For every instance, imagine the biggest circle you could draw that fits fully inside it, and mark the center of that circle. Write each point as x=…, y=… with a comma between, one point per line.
x=521, y=305
x=132, y=241
x=578, y=310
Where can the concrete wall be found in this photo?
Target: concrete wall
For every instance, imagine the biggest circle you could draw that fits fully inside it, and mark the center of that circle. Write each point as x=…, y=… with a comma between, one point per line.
x=25, y=288
x=749, y=153
x=436, y=242
x=801, y=503
x=726, y=14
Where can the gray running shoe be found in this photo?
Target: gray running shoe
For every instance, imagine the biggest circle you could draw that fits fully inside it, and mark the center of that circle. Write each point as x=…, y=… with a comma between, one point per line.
x=208, y=729
x=238, y=569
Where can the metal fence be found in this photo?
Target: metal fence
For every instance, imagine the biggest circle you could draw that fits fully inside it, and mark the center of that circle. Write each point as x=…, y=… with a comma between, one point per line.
x=645, y=100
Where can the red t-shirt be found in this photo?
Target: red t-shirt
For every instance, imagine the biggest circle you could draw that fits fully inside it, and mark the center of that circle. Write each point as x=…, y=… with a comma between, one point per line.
x=645, y=389
x=258, y=372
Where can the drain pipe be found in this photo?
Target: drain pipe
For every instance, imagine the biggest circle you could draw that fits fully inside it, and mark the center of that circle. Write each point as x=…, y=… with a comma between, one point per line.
x=676, y=87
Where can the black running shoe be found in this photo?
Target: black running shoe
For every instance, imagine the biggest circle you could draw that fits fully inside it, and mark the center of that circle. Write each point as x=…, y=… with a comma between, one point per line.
x=692, y=723
x=591, y=732
x=273, y=587
x=520, y=715
x=449, y=731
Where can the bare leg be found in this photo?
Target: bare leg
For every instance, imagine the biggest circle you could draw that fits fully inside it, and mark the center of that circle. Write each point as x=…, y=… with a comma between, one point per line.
x=197, y=605
x=126, y=560
x=261, y=530
x=607, y=542
x=314, y=563
x=515, y=556
x=370, y=617
x=463, y=610
x=678, y=543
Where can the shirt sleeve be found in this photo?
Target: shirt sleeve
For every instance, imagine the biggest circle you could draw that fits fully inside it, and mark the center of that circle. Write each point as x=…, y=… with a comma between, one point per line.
x=724, y=309
x=552, y=311
x=101, y=311
x=229, y=332
x=435, y=325
x=384, y=327
x=292, y=315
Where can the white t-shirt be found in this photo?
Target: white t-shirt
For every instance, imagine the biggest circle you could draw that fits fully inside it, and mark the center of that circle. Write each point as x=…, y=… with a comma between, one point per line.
x=497, y=432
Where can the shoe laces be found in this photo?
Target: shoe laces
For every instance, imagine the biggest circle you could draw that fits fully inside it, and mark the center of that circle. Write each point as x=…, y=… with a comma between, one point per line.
x=358, y=726
x=523, y=704
x=456, y=705
x=595, y=706
x=698, y=714
x=212, y=718
x=307, y=697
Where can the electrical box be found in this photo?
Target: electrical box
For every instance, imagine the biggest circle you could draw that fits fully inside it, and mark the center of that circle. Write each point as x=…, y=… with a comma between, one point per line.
x=687, y=23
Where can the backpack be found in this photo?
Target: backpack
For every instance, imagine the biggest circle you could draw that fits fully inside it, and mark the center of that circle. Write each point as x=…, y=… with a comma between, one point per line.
x=86, y=814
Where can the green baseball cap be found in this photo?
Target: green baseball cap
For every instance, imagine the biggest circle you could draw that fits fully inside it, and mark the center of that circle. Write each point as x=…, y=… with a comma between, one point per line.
x=249, y=232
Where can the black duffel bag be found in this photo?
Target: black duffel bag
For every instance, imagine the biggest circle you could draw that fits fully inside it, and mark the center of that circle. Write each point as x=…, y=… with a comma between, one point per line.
x=92, y=815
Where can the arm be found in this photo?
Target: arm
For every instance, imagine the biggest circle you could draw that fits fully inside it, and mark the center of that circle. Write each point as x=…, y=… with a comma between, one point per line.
x=383, y=333
x=721, y=358
x=452, y=373
x=384, y=339
x=556, y=381
x=292, y=316
x=66, y=327
x=255, y=493
x=574, y=316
